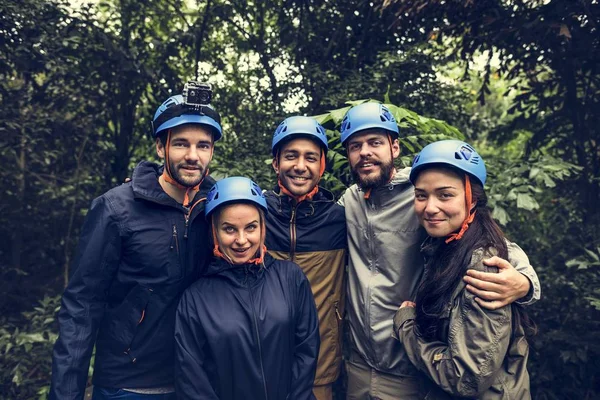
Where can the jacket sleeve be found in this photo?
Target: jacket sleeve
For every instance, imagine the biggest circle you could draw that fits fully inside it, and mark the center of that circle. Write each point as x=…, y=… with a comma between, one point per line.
x=307, y=343
x=84, y=300
x=191, y=380
x=518, y=259
x=477, y=344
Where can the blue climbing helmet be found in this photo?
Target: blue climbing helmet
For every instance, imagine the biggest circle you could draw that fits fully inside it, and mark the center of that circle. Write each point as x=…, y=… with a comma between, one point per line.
x=298, y=126
x=368, y=116
x=235, y=189
x=175, y=112
x=454, y=153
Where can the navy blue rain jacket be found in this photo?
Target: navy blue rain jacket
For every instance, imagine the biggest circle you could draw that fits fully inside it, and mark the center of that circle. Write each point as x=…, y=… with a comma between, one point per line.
x=136, y=256
x=247, y=332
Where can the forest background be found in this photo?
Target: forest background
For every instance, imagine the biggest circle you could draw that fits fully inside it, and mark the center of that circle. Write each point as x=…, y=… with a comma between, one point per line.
x=520, y=79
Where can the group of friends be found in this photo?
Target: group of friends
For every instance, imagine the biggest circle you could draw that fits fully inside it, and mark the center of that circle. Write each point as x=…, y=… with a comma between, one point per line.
x=195, y=289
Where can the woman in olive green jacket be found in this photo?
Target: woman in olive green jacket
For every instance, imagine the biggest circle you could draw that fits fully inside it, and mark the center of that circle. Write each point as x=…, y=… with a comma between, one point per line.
x=463, y=349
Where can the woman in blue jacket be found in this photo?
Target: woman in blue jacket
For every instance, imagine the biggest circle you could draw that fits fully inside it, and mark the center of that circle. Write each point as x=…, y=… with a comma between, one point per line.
x=248, y=329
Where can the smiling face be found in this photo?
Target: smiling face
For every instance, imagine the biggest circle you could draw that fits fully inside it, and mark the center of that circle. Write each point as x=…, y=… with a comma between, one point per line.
x=440, y=201
x=371, y=158
x=189, y=151
x=297, y=165
x=238, y=232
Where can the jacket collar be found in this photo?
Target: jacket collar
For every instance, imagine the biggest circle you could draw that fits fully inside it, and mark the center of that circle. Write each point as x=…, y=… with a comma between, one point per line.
x=239, y=274
x=399, y=178
x=283, y=204
x=145, y=185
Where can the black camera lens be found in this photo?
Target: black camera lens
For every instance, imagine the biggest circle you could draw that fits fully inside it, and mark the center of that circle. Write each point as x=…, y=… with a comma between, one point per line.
x=204, y=97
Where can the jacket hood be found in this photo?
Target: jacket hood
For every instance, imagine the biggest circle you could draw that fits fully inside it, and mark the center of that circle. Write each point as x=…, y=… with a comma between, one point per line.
x=401, y=176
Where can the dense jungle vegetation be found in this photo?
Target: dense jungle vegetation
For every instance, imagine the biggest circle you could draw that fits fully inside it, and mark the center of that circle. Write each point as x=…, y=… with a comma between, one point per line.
x=520, y=79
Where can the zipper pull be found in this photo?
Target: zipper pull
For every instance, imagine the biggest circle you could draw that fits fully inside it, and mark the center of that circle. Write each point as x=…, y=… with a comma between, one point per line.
x=174, y=239
x=185, y=232
x=337, y=311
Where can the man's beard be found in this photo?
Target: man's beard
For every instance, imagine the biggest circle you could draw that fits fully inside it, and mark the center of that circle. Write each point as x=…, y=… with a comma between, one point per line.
x=372, y=182
x=186, y=181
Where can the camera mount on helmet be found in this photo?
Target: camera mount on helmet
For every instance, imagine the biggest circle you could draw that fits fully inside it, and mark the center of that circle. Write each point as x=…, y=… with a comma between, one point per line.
x=192, y=106
x=197, y=94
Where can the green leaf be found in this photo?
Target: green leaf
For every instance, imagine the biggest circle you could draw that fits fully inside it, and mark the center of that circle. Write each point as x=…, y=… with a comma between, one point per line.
x=594, y=302
x=527, y=202
x=593, y=255
x=338, y=115
x=17, y=378
x=500, y=215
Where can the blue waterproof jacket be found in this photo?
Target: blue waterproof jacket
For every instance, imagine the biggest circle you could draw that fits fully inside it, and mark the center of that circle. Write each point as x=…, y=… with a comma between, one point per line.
x=139, y=250
x=247, y=332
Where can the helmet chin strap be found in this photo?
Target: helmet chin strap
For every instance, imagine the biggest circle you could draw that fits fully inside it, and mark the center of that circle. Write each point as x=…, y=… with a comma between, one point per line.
x=470, y=216
x=168, y=177
x=310, y=194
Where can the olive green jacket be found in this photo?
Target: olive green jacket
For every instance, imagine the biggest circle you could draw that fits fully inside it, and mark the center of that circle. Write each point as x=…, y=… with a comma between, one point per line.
x=480, y=357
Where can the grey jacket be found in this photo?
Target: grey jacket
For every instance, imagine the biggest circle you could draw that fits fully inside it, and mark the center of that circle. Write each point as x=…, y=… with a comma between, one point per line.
x=385, y=266
x=478, y=355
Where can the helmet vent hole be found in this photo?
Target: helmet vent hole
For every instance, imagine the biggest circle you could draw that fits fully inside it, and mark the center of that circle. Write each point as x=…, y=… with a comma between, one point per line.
x=216, y=196
x=457, y=156
x=253, y=192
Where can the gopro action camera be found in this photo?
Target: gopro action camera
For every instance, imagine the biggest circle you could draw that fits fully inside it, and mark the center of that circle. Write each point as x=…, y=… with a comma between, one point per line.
x=197, y=94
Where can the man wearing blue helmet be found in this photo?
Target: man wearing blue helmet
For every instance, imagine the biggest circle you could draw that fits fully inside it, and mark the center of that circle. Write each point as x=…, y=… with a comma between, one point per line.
x=384, y=261
x=306, y=226
x=140, y=248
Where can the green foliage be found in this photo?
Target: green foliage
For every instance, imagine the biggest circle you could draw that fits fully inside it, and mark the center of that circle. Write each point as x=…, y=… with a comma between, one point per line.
x=517, y=79
x=25, y=363
x=516, y=183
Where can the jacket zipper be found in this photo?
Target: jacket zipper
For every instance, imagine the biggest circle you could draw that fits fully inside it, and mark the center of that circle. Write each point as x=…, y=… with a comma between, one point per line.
x=370, y=209
x=175, y=240
x=262, y=370
x=293, y=234
x=186, y=216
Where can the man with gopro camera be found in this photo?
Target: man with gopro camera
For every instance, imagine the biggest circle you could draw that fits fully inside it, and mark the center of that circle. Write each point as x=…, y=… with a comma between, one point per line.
x=142, y=244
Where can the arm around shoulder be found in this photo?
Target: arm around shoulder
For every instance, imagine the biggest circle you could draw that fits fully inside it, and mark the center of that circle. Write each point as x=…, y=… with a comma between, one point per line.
x=518, y=258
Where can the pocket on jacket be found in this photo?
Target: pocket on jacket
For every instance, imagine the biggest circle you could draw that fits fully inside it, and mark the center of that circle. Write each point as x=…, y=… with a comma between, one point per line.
x=121, y=323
